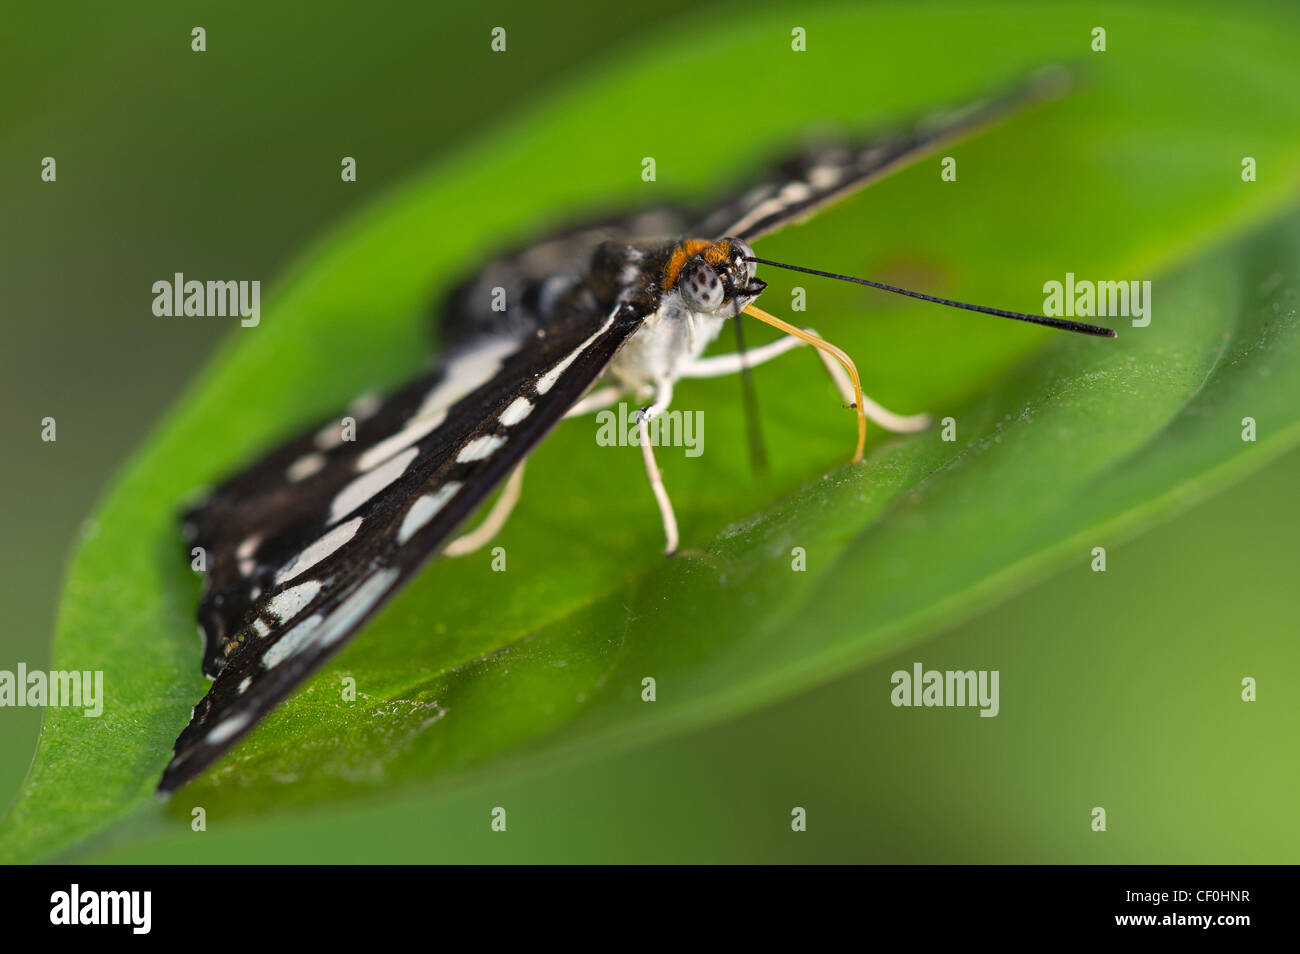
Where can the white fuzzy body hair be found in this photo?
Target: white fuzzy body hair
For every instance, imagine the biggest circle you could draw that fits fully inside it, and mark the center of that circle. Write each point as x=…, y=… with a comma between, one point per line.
x=670, y=340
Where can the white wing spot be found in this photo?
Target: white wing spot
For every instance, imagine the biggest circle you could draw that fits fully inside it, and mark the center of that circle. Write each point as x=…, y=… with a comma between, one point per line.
x=519, y=409
x=260, y=626
x=369, y=484
x=417, y=428
x=319, y=550
x=292, y=641
x=547, y=381
x=424, y=509
x=823, y=177
x=480, y=448
x=225, y=730
x=329, y=436
x=319, y=631
x=243, y=686
x=247, y=548
x=466, y=372
x=795, y=192
x=365, y=406
x=305, y=466
x=761, y=211
x=289, y=604
x=357, y=605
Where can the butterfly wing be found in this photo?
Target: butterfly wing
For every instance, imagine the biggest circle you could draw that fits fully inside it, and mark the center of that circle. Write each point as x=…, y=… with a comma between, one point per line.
x=810, y=180
x=299, y=561
x=255, y=521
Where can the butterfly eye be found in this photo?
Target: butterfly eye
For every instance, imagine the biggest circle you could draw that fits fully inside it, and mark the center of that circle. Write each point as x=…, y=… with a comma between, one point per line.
x=702, y=288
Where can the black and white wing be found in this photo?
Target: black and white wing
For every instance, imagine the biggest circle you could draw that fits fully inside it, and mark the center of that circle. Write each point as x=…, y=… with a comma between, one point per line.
x=807, y=182
x=309, y=542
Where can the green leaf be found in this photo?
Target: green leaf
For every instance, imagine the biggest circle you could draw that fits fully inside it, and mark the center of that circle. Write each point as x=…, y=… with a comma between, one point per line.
x=1061, y=443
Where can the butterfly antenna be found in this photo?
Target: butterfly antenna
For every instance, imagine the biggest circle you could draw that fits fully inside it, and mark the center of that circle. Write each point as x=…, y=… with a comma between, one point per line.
x=1062, y=324
x=753, y=424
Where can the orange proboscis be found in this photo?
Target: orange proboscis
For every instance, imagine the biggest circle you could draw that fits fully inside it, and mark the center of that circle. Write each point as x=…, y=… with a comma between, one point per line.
x=824, y=346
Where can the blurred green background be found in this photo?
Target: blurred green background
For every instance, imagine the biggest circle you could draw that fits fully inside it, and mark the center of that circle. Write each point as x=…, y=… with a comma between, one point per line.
x=1125, y=684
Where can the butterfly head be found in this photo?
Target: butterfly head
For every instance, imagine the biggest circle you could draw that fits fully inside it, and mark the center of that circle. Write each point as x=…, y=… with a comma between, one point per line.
x=716, y=278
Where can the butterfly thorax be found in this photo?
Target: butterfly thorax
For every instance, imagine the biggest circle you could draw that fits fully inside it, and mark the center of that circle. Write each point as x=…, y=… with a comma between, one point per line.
x=670, y=339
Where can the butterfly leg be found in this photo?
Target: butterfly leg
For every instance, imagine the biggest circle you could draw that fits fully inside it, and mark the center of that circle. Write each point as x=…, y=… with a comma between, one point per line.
x=481, y=535
x=724, y=364
x=663, y=394
x=663, y=397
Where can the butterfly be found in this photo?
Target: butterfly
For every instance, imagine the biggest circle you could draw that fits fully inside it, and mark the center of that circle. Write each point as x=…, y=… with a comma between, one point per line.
x=308, y=542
